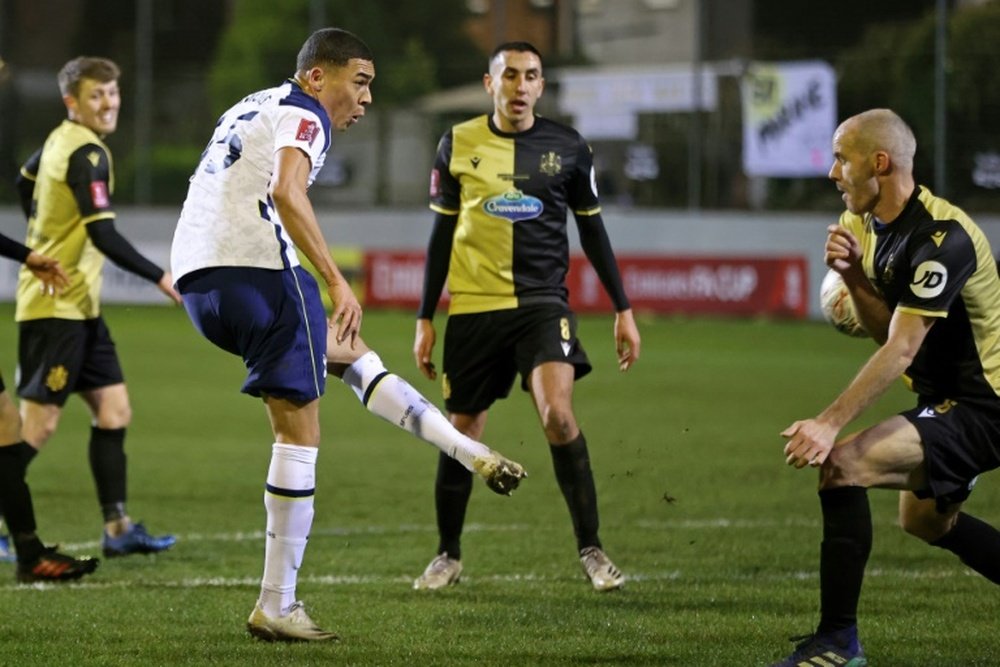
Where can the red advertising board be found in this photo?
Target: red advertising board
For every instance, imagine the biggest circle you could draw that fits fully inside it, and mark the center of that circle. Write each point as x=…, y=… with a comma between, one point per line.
x=696, y=285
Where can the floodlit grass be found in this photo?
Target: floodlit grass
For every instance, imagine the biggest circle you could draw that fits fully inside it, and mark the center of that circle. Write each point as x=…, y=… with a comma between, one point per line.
x=719, y=537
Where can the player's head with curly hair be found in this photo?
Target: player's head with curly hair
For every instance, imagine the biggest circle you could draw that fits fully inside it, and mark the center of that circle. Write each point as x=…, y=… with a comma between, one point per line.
x=331, y=46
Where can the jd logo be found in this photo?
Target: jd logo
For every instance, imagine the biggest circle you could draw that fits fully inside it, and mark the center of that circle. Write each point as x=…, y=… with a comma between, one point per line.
x=929, y=280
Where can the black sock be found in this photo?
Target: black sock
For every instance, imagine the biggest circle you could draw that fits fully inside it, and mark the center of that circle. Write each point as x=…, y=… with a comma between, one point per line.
x=107, y=464
x=28, y=547
x=452, y=489
x=977, y=543
x=576, y=481
x=27, y=452
x=847, y=542
x=15, y=496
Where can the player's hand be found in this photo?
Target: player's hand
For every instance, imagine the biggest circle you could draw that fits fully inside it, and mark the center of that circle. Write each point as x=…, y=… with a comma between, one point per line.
x=423, y=346
x=627, y=341
x=842, y=250
x=809, y=443
x=166, y=285
x=346, y=316
x=49, y=271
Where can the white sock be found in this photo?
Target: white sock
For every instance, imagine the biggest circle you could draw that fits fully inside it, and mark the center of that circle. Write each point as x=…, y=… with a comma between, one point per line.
x=393, y=399
x=288, y=498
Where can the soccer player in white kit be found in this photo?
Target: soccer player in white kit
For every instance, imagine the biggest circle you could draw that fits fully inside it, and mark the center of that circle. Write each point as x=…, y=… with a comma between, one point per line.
x=234, y=259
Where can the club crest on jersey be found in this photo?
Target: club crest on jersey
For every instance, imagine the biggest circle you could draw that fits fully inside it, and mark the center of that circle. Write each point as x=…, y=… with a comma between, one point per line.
x=514, y=206
x=551, y=163
x=308, y=130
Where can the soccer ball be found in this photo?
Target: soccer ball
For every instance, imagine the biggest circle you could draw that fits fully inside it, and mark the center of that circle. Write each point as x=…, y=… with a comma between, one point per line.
x=838, y=308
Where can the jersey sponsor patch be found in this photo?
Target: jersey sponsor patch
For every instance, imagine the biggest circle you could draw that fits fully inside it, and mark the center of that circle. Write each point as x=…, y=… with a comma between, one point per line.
x=514, y=206
x=435, y=183
x=99, y=194
x=308, y=131
x=929, y=280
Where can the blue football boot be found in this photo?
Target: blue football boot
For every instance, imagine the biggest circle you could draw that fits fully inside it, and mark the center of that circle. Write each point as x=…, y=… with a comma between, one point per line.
x=840, y=648
x=136, y=541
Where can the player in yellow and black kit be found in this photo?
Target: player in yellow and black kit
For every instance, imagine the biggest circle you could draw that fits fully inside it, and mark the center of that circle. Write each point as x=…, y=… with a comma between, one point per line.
x=501, y=187
x=64, y=345
x=35, y=561
x=925, y=286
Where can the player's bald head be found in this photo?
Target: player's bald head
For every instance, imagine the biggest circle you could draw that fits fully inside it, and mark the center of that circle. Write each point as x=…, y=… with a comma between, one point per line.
x=881, y=130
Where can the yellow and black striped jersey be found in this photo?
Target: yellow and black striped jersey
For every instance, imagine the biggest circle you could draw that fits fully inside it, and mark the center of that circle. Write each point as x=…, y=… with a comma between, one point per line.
x=934, y=261
x=511, y=193
x=74, y=180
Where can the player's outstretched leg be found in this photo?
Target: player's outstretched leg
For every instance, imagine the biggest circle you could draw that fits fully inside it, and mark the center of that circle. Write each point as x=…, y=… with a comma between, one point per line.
x=393, y=399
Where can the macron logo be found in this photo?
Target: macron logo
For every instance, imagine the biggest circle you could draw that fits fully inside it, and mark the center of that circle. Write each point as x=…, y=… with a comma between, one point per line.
x=566, y=347
x=927, y=412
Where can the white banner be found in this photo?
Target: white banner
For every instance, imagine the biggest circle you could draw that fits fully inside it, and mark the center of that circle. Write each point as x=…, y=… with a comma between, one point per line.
x=605, y=103
x=789, y=115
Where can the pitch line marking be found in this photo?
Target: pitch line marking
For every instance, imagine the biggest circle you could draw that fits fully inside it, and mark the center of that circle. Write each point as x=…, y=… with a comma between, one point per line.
x=191, y=583
x=645, y=524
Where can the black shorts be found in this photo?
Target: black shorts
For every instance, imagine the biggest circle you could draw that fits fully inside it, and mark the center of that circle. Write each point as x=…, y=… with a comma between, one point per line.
x=484, y=351
x=960, y=442
x=57, y=357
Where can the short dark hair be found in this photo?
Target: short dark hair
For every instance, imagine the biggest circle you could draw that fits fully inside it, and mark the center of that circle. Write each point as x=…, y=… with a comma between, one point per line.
x=520, y=47
x=72, y=73
x=331, y=46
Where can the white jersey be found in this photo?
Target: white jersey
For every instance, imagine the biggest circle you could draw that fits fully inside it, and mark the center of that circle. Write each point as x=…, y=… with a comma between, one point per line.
x=228, y=217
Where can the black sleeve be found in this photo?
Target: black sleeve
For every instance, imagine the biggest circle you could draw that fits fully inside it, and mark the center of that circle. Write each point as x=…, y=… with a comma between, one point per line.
x=12, y=249
x=88, y=175
x=597, y=247
x=117, y=248
x=438, y=259
x=25, y=183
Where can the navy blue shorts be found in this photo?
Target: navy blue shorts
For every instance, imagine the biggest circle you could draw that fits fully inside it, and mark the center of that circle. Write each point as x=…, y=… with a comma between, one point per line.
x=484, y=352
x=273, y=319
x=960, y=441
x=57, y=357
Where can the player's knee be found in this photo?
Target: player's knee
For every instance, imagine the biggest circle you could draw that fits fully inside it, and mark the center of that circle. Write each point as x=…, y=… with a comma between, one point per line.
x=926, y=526
x=114, y=417
x=38, y=432
x=336, y=369
x=843, y=468
x=559, y=424
x=10, y=430
x=10, y=422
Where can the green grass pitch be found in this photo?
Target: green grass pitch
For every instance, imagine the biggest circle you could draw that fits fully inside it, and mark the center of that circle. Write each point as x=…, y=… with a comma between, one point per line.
x=720, y=539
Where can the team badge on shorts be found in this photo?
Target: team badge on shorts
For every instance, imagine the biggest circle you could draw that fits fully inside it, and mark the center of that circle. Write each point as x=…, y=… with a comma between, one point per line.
x=57, y=378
